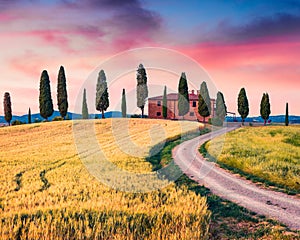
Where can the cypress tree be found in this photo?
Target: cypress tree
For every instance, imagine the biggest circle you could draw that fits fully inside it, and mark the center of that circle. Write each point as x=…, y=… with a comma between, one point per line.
x=183, y=96
x=85, y=111
x=124, y=106
x=7, y=108
x=164, y=106
x=29, y=116
x=265, y=107
x=62, y=96
x=141, y=89
x=286, y=114
x=243, y=105
x=204, y=107
x=45, y=99
x=102, y=101
x=221, y=108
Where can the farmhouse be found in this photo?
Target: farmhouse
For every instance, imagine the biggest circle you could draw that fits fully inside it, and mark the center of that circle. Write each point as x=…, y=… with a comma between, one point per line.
x=155, y=107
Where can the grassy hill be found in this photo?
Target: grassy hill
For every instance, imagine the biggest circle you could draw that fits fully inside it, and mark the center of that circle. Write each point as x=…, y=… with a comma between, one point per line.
x=264, y=154
x=46, y=192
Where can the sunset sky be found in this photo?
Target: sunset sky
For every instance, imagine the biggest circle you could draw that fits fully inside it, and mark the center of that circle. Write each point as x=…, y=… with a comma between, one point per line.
x=253, y=44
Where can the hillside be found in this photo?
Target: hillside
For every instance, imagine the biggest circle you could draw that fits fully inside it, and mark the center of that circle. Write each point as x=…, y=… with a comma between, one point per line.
x=46, y=191
x=37, y=116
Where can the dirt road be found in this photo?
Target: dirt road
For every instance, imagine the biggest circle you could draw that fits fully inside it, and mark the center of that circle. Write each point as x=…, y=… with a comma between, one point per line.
x=277, y=205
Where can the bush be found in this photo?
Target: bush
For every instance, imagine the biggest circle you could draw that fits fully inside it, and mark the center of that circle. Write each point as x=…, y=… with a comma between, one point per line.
x=37, y=120
x=58, y=118
x=215, y=121
x=17, y=122
x=138, y=116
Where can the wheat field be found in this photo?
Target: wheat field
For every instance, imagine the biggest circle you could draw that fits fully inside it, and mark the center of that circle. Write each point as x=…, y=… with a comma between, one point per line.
x=270, y=153
x=46, y=191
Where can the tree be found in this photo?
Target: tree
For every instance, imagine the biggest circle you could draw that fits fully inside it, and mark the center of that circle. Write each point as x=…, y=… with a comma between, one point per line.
x=7, y=108
x=204, y=107
x=164, y=106
x=141, y=89
x=45, y=99
x=221, y=109
x=85, y=111
x=62, y=96
x=265, y=107
x=124, y=106
x=183, y=96
x=102, y=101
x=243, y=105
x=286, y=114
x=29, y=116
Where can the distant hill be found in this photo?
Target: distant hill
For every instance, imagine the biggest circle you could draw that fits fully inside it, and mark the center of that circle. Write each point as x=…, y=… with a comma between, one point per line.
x=274, y=119
x=37, y=116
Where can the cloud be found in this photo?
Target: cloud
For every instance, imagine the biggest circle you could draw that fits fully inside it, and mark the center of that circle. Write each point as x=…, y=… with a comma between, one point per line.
x=278, y=26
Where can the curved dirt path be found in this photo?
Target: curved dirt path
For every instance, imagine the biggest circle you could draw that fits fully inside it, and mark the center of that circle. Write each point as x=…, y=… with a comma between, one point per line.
x=277, y=205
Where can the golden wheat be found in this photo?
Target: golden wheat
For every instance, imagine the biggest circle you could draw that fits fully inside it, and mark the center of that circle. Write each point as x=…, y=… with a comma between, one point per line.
x=46, y=191
x=271, y=153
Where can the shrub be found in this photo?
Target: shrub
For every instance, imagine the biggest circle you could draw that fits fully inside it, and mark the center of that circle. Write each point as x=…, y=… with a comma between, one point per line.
x=215, y=121
x=58, y=118
x=17, y=122
x=37, y=120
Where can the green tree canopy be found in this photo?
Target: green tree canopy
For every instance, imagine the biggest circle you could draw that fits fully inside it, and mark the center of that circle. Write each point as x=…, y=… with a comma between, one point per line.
x=183, y=96
x=286, y=114
x=164, y=106
x=123, y=105
x=85, y=111
x=102, y=100
x=204, y=107
x=7, y=108
x=45, y=99
x=221, y=109
x=141, y=89
x=265, y=107
x=62, y=96
x=29, y=116
x=243, y=105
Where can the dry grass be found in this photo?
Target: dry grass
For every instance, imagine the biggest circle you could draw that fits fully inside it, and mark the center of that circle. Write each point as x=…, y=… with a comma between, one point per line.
x=46, y=192
x=269, y=153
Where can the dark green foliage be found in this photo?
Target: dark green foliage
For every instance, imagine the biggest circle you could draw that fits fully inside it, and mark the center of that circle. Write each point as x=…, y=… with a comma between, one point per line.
x=243, y=105
x=45, y=99
x=29, y=116
x=204, y=107
x=62, y=96
x=85, y=111
x=7, y=108
x=265, y=107
x=141, y=89
x=221, y=108
x=102, y=101
x=58, y=118
x=17, y=122
x=183, y=96
x=164, y=106
x=124, y=106
x=286, y=114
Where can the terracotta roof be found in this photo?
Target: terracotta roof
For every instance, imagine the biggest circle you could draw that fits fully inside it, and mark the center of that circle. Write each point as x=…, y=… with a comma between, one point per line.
x=174, y=97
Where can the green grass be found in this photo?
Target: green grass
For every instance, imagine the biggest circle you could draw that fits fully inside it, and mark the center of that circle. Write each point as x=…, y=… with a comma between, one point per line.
x=267, y=155
x=228, y=220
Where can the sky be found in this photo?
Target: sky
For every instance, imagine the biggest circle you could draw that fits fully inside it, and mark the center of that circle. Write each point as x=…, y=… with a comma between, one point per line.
x=253, y=44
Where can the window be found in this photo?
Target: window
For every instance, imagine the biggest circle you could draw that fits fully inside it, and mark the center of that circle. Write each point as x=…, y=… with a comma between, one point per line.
x=158, y=103
x=194, y=103
x=158, y=114
x=192, y=114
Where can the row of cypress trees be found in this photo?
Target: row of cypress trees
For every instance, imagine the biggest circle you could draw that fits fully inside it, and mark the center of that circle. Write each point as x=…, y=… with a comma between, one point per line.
x=102, y=96
x=204, y=103
x=45, y=99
